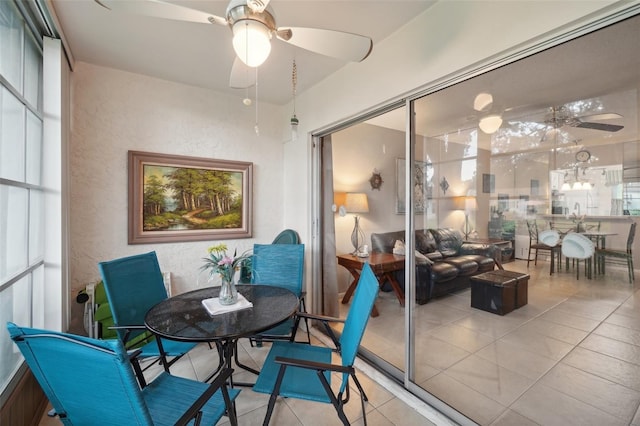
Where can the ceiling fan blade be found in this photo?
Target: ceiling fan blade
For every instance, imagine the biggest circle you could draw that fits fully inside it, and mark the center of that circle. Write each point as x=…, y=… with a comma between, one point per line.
x=242, y=76
x=599, y=126
x=161, y=9
x=599, y=117
x=337, y=44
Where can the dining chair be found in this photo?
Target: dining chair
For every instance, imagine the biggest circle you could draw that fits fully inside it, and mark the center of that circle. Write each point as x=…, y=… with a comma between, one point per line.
x=133, y=285
x=280, y=265
x=536, y=245
x=298, y=370
x=287, y=236
x=90, y=381
x=626, y=256
x=577, y=247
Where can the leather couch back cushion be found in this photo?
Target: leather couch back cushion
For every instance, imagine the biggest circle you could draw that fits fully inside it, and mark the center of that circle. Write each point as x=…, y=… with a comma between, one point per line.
x=425, y=243
x=384, y=242
x=449, y=240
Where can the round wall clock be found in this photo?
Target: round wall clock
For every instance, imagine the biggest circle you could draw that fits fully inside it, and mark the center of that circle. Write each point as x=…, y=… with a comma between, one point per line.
x=583, y=155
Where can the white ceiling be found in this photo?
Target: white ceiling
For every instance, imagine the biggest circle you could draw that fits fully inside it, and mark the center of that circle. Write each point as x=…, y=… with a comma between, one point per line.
x=201, y=54
x=600, y=70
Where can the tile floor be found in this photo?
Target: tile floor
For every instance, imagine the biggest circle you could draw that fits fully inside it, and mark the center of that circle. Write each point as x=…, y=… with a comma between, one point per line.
x=571, y=356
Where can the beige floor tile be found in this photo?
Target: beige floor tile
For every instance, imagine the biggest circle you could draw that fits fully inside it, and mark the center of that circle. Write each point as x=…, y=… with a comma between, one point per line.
x=624, y=321
x=557, y=331
x=512, y=357
x=615, y=348
x=547, y=406
x=538, y=343
x=570, y=320
x=492, y=325
x=511, y=418
x=462, y=337
x=620, y=333
x=608, y=396
x=490, y=379
x=443, y=357
x=588, y=308
x=607, y=367
x=473, y=404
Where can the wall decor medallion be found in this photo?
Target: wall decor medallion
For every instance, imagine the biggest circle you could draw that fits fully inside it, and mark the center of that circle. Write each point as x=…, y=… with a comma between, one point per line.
x=376, y=180
x=444, y=185
x=176, y=198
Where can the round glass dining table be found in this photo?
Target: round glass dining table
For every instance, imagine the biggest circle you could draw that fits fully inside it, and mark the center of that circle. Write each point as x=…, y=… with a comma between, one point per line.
x=184, y=318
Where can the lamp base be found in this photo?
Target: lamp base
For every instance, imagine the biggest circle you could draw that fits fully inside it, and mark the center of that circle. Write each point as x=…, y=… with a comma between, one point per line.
x=357, y=236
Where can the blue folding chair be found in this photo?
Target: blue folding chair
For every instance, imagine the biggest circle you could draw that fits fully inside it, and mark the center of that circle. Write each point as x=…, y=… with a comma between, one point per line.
x=298, y=370
x=134, y=285
x=280, y=265
x=90, y=381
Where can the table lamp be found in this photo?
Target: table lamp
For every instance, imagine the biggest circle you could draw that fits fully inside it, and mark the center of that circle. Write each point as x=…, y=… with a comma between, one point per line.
x=356, y=202
x=467, y=204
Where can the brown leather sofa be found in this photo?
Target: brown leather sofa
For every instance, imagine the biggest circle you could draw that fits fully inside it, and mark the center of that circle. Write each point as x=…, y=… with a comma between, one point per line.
x=448, y=261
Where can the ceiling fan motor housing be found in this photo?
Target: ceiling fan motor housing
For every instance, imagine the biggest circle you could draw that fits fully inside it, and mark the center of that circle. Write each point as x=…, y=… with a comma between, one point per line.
x=238, y=10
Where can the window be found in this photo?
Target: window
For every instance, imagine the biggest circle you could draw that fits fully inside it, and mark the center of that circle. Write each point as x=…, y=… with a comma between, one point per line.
x=21, y=187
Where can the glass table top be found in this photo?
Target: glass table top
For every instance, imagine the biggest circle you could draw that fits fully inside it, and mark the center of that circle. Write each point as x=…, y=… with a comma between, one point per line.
x=183, y=317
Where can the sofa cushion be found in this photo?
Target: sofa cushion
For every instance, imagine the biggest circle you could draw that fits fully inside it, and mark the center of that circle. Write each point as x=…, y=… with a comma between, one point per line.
x=448, y=240
x=425, y=243
x=484, y=263
x=464, y=265
x=442, y=271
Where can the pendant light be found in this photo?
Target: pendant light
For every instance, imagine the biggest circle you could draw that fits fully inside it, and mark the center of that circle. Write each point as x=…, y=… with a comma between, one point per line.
x=294, y=118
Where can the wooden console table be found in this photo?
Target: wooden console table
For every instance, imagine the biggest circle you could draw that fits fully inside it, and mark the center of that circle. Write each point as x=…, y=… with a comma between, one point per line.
x=382, y=265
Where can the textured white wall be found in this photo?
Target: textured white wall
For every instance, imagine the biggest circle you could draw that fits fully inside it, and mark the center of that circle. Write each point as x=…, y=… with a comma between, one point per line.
x=114, y=112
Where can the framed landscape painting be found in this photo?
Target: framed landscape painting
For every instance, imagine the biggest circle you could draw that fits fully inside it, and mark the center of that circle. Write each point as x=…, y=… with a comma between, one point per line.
x=177, y=198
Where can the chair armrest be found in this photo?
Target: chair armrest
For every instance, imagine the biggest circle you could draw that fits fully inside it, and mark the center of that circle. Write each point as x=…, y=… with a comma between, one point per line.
x=313, y=365
x=325, y=320
x=319, y=317
x=220, y=382
x=127, y=327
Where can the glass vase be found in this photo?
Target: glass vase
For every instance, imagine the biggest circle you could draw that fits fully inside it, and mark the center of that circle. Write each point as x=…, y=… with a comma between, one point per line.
x=228, y=292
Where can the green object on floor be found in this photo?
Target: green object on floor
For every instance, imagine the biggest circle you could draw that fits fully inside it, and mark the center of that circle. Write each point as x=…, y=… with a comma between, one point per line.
x=104, y=317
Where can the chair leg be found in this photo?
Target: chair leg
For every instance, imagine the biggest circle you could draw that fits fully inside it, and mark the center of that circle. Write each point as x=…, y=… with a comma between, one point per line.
x=529, y=257
x=631, y=271
x=336, y=402
x=274, y=395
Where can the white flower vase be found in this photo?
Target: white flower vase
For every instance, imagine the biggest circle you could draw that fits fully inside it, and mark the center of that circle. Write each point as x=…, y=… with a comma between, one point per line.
x=228, y=292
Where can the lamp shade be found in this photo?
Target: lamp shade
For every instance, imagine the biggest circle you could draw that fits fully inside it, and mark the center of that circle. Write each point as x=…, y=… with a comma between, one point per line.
x=459, y=203
x=470, y=204
x=490, y=124
x=356, y=202
x=252, y=42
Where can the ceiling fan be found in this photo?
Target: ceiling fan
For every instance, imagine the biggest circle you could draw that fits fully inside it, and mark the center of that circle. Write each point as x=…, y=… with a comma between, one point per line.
x=253, y=25
x=561, y=116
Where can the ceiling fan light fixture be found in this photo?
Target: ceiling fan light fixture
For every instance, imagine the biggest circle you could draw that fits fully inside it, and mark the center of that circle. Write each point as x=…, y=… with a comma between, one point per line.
x=482, y=101
x=490, y=124
x=251, y=42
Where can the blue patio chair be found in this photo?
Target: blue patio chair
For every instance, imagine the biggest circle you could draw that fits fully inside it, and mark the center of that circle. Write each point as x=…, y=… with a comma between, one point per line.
x=90, y=381
x=134, y=285
x=298, y=370
x=288, y=236
x=280, y=265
